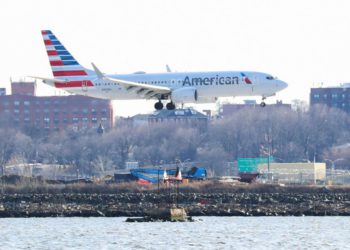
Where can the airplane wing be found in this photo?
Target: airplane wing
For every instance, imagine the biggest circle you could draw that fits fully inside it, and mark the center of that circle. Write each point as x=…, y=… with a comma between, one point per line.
x=145, y=90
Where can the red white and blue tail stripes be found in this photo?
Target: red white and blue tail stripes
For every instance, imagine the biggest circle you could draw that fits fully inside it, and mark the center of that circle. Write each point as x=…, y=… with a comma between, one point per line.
x=63, y=64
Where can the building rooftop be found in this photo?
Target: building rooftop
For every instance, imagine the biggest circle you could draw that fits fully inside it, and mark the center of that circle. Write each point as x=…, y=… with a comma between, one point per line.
x=178, y=113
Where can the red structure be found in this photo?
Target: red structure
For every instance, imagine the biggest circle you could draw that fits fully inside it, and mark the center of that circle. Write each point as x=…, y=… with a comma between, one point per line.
x=23, y=88
x=24, y=109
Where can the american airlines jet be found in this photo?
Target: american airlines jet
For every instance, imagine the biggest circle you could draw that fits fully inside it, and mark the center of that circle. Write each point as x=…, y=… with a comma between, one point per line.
x=178, y=88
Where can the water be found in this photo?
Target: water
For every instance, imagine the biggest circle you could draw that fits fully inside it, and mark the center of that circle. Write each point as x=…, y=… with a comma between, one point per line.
x=206, y=233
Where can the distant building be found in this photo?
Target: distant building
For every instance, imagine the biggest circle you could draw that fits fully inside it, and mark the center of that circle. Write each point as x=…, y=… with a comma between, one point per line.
x=187, y=117
x=2, y=91
x=335, y=97
x=294, y=173
x=24, y=109
x=23, y=88
x=230, y=109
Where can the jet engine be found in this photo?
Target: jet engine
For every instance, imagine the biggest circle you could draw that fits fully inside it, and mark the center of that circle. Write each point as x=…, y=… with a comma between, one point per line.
x=184, y=95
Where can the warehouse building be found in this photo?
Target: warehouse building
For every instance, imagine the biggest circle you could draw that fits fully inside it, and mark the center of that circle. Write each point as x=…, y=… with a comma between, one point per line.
x=294, y=173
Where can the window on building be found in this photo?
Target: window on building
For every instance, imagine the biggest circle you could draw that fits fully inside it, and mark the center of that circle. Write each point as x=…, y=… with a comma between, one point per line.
x=334, y=96
x=16, y=111
x=26, y=103
x=103, y=111
x=316, y=96
x=94, y=120
x=16, y=103
x=325, y=96
x=84, y=119
x=85, y=111
x=75, y=119
x=26, y=111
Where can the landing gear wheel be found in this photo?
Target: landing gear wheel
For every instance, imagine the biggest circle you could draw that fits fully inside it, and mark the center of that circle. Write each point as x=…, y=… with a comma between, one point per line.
x=262, y=104
x=170, y=106
x=158, y=105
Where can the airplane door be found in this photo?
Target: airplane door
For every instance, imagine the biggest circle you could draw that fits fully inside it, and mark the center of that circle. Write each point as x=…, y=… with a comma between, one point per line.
x=84, y=86
x=255, y=83
x=257, y=80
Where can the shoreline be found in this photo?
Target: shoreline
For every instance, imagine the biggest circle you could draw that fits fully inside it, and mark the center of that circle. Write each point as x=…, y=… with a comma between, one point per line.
x=136, y=204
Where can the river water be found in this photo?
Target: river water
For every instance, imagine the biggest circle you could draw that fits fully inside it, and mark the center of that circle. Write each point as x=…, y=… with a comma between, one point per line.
x=205, y=233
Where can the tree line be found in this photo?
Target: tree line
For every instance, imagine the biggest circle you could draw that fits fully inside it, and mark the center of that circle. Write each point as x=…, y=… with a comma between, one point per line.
x=320, y=134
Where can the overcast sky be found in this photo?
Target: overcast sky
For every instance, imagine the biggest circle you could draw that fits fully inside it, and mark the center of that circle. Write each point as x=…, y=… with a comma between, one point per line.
x=301, y=42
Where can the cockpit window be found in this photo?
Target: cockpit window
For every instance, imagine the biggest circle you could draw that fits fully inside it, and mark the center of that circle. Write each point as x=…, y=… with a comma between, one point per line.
x=269, y=77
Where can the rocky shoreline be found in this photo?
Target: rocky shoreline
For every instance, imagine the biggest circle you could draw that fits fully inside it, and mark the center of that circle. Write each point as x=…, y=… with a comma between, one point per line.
x=319, y=203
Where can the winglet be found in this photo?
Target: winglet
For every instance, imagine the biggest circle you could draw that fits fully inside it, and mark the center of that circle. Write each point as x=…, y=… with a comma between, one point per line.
x=99, y=74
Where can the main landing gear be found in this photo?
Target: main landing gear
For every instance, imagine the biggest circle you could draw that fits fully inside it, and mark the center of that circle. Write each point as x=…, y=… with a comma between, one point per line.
x=170, y=106
x=159, y=106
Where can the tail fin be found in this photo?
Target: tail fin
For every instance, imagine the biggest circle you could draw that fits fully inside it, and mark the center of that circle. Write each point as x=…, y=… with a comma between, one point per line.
x=63, y=64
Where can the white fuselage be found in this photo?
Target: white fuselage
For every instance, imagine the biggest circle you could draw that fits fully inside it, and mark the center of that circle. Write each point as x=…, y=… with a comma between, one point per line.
x=209, y=85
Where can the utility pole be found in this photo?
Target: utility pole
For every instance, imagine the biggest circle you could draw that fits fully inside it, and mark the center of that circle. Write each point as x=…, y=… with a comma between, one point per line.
x=158, y=179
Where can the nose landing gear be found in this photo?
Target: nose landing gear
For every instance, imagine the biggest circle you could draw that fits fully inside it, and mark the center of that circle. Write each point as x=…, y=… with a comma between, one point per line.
x=263, y=104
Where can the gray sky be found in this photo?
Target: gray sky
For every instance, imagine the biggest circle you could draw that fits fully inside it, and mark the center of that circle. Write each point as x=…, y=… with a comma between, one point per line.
x=301, y=42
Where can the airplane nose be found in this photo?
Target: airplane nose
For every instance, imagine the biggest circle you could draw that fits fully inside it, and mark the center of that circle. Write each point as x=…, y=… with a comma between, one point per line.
x=282, y=85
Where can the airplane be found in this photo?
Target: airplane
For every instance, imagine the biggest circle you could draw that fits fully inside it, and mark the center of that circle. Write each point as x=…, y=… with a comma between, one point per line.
x=177, y=88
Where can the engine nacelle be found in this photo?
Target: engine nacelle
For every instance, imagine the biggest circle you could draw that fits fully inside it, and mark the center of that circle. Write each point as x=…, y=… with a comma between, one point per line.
x=184, y=95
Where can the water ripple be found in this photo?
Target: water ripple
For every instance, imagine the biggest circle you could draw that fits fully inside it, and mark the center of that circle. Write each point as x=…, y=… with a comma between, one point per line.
x=206, y=233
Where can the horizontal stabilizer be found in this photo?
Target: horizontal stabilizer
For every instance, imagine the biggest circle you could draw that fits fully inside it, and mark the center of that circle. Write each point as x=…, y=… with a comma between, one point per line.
x=49, y=81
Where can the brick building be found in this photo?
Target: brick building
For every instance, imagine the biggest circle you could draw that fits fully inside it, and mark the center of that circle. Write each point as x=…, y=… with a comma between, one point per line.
x=24, y=109
x=336, y=97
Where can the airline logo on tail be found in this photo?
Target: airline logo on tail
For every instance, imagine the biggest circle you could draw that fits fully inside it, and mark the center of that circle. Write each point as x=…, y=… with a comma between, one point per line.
x=63, y=64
